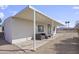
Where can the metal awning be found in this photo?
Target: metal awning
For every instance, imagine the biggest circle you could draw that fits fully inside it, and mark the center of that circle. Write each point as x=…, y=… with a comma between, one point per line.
x=27, y=13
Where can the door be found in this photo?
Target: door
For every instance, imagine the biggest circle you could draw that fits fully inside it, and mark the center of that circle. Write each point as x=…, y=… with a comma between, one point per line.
x=49, y=28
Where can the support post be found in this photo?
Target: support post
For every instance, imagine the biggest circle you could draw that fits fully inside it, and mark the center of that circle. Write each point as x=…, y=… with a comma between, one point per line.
x=34, y=40
x=54, y=31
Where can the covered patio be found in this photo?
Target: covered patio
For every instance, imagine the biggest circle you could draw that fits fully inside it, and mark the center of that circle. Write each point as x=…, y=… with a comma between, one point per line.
x=29, y=22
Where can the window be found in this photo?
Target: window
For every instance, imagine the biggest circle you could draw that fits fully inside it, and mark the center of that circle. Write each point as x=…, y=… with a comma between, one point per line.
x=40, y=28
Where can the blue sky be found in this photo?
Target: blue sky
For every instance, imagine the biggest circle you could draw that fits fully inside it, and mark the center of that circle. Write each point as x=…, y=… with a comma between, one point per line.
x=60, y=13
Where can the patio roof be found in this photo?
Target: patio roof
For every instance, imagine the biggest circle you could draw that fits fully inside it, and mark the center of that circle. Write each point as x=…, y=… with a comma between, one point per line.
x=27, y=13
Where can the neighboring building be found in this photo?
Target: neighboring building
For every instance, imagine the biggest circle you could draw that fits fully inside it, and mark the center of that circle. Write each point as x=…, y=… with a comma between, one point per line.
x=77, y=26
x=66, y=30
x=20, y=27
x=1, y=28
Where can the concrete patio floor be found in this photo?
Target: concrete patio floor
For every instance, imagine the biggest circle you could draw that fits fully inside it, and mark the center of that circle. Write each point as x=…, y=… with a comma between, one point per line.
x=28, y=44
x=63, y=43
x=24, y=47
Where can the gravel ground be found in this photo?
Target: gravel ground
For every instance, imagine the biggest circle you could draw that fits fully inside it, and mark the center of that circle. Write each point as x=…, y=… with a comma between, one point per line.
x=64, y=43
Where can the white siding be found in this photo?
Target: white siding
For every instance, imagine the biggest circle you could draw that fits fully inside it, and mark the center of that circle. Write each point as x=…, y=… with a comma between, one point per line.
x=7, y=30
x=18, y=30
x=22, y=30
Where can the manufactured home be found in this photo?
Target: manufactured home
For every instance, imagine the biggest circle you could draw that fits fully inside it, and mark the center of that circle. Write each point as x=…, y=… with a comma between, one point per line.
x=27, y=23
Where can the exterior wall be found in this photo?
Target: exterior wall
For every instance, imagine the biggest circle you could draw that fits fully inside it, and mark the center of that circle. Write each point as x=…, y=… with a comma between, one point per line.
x=7, y=30
x=18, y=30
x=21, y=30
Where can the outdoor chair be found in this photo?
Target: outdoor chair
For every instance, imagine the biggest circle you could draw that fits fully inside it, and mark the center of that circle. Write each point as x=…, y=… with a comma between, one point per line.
x=41, y=36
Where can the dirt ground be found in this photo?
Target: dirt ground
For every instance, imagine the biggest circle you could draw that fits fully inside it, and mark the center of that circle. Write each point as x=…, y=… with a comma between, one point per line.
x=64, y=43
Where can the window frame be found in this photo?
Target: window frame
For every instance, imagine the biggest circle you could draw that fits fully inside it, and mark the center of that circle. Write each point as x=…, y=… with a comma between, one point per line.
x=40, y=28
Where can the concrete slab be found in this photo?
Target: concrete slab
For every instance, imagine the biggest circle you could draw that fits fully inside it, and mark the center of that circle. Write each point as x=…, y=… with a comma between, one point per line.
x=28, y=44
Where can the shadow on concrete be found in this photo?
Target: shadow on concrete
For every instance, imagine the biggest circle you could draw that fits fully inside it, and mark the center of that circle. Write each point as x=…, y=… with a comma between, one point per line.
x=68, y=46
x=2, y=39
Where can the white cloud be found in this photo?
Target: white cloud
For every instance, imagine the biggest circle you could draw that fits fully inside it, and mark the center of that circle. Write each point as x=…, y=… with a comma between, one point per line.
x=76, y=12
x=2, y=15
x=76, y=7
x=3, y=6
x=13, y=12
